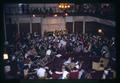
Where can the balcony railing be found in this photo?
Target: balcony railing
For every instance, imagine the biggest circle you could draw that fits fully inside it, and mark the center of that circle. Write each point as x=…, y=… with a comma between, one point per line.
x=77, y=10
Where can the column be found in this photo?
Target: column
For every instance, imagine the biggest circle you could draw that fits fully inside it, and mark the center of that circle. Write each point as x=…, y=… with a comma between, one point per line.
x=30, y=24
x=4, y=25
x=18, y=27
x=73, y=25
x=65, y=24
x=84, y=25
x=18, y=24
x=42, y=31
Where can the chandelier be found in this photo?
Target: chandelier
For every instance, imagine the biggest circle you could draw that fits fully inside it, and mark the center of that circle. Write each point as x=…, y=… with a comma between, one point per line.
x=64, y=6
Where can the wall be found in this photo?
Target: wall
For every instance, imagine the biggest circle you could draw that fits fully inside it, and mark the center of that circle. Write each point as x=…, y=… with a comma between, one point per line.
x=69, y=27
x=24, y=27
x=78, y=27
x=36, y=27
x=11, y=30
x=52, y=24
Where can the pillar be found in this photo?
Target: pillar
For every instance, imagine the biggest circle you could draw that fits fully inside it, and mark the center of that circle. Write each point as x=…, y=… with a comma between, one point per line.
x=84, y=25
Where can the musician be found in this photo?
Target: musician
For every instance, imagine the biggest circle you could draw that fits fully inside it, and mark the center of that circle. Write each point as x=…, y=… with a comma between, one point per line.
x=65, y=71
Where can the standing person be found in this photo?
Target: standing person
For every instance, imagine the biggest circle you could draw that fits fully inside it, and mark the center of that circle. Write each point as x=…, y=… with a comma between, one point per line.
x=105, y=51
x=7, y=70
x=112, y=48
x=14, y=67
x=65, y=71
x=57, y=65
x=21, y=68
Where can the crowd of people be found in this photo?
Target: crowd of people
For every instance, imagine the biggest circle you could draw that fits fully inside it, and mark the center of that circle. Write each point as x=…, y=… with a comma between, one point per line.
x=67, y=56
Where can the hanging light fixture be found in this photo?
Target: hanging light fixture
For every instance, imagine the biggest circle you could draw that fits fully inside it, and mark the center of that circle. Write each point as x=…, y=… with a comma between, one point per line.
x=64, y=6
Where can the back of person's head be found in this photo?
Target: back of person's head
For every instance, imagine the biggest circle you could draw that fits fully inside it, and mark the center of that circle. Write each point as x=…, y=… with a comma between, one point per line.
x=74, y=68
x=26, y=67
x=67, y=69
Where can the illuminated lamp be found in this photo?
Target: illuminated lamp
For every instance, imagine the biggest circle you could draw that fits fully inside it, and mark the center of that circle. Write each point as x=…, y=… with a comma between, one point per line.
x=5, y=56
x=55, y=15
x=65, y=6
x=68, y=6
x=60, y=6
x=66, y=14
x=33, y=15
x=99, y=30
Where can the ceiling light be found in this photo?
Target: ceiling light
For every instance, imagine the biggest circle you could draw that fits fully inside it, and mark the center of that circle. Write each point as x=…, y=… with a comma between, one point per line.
x=68, y=6
x=65, y=6
x=60, y=6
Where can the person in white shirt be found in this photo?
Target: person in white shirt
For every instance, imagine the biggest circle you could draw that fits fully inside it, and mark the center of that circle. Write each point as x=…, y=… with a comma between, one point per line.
x=41, y=72
x=64, y=73
x=105, y=74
